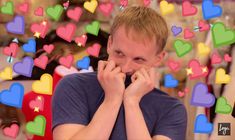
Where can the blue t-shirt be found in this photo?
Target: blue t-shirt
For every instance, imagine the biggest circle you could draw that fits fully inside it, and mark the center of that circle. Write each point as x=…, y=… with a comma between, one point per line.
x=78, y=96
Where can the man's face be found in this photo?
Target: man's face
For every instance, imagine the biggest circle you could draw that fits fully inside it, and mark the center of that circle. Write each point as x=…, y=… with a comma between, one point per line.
x=131, y=53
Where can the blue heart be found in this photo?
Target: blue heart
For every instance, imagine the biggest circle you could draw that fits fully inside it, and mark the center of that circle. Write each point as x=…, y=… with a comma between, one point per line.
x=176, y=30
x=17, y=26
x=209, y=10
x=30, y=46
x=202, y=125
x=84, y=63
x=170, y=81
x=14, y=96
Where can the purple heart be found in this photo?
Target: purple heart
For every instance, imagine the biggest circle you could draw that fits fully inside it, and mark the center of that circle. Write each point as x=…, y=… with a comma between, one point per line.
x=16, y=26
x=25, y=67
x=201, y=97
x=176, y=30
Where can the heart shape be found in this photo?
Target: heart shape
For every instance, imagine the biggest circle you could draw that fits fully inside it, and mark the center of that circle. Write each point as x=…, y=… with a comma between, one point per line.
x=166, y=8
x=8, y=8
x=93, y=28
x=67, y=61
x=12, y=50
x=41, y=62
x=201, y=96
x=94, y=50
x=147, y=2
x=75, y=13
x=197, y=69
x=41, y=28
x=182, y=48
x=38, y=11
x=49, y=48
x=17, y=26
x=11, y=131
x=44, y=85
x=203, y=49
x=66, y=32
x=30, y=46
x=6, y=74
x=81, y=41
x=38, y=102
x=25, y=67
x=216, y=59
x=170, y=81
x=90, y=5
x=173, y=65
x=106, y=8
x=202, y=125
x=188, y=9
x=176, y=30
x=188, y=34
x=124, y=3
x=227, y=58
x=38, y=126
x=222, y=106
x=55, y=12
x=203, y=26
x=24, y=7
x=221, y=77
x=210, y=10
x=84, y=63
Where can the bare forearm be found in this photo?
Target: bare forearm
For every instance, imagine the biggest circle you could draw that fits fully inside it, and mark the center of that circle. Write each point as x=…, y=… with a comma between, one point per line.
x=102, y=123
x=135, y=124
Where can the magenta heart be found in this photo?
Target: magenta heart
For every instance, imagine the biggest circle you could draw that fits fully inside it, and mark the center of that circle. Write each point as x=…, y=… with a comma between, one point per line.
x=227, y=58
x=216, y=59
x=203, y=26
x=75, y=14
x=24, y=7
x=49, y=48
x=66, y=61
x=188, y=34
x=66, y=32
x=11, y=131
x=11, y=50
x=41, y=62
x=81, y=41
x=41, y=28
x=94, y=50
x=38, y=11
x=38, y=102
x=106, y=9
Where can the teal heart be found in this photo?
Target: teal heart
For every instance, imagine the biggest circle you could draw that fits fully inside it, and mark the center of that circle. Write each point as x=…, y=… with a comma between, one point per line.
x=8, y=8
x=182, y=48
x=55, y=12
x=37, y=127
x=222, y=36
x=93, y=28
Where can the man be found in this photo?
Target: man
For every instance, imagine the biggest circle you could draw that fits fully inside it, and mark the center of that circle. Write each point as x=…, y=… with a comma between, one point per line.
x=120, y=102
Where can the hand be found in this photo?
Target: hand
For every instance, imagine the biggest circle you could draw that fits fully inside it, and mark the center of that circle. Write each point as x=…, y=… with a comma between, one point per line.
x=143, y=81
x=111, y=79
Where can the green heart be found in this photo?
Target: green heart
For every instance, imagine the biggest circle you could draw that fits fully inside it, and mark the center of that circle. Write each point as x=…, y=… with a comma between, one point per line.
x=93, y=28
x=222, y=106
x=182, y=47
x=8, y=8
x=38, y=126
x=222, y=36
x=55, y=12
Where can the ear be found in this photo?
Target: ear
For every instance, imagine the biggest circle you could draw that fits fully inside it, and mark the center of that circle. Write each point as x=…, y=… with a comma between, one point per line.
x=110, y=41
x=159, y=58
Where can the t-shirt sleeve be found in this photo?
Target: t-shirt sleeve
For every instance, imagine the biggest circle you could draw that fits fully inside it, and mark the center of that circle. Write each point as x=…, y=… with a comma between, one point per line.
x=69, y=103
x=173, y=124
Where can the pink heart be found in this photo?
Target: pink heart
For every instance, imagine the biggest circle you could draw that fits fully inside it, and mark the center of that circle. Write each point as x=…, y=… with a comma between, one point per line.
x=227, y=58
x=188, y=34
x=216, y=59
x=38, y=102
x=188, y=9
x=81, y=40
x=66, y=4
x=147, y=2
x=24, y=7
x=203, y=26
x=75, y=14
x=66, y=32
x=197, y=69
x=41, y=28
x=11, y=131
x=186, y=90
x=11, y=50
x=94, y=50
x=124, y=3
x=106, y=9
x=41, y=62
x=174, y=66
x=181, y=94
x=49, y=48
x=66, y=61
x=38, y=11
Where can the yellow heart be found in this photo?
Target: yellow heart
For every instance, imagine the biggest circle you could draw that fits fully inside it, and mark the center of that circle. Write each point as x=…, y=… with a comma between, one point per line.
x=6, y=74
x=203, y=49
x=166, y=8
x=90, y=5
x=44, y=85
x=221, y=77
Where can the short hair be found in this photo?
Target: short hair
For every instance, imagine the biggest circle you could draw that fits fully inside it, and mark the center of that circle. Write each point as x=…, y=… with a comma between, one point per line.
x=144, y=20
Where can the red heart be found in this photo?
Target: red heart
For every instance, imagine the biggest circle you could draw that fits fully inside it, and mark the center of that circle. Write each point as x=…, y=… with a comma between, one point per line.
x=75, y=14
x=203, y=26
x=227, y=58
x=41, y=28
x=66, y=32
x=188, y=34
x=66, y=61
x=174, y=66
x=11, y=50
x=11, y=131
x=106, y=9
x=48, y=48
x=38, y=11
x=188, y=9
x=216, y=59
x=94, y=50
x=197, y=69
x=24, y=7
x=41, y=62
x=38, y=102
x=81, y=41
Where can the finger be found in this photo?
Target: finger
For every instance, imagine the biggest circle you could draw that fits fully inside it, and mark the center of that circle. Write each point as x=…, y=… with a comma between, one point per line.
x=145, y=74
x=110, y=66
x=123, y=76
x=116, y=70
x=153, y=75
x=101, y=66
x=137, y=75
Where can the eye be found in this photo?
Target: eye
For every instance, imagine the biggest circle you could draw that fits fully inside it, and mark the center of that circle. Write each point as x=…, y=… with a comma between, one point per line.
x=139, y=60
x=119, y=53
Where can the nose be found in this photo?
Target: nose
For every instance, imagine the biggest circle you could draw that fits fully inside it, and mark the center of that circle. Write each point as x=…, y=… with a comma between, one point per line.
x=127, y=67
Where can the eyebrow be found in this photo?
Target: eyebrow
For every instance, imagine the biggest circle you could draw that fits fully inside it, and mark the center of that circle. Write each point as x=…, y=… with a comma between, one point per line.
x=137, y=57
